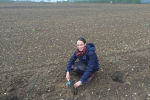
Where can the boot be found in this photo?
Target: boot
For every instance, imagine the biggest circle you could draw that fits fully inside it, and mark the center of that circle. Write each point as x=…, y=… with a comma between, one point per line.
x=91, y=76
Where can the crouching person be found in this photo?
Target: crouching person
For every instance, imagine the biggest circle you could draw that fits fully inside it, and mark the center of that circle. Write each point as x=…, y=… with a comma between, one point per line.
x=87, y=64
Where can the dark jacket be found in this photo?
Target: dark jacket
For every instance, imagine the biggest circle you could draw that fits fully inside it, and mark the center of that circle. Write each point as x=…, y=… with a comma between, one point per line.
x=89, y=58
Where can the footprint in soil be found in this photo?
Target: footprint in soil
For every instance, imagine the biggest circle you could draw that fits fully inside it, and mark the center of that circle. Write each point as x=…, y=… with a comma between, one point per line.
x=10, y=89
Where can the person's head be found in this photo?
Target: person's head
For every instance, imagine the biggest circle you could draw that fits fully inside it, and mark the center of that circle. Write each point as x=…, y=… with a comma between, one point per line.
x=81, y=43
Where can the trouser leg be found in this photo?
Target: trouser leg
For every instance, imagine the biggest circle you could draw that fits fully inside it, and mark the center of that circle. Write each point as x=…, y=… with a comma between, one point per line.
x=78, y=67
x=77, y=70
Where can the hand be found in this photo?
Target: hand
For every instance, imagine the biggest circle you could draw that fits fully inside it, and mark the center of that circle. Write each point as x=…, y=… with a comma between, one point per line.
x=77, y=84
x=67, y=76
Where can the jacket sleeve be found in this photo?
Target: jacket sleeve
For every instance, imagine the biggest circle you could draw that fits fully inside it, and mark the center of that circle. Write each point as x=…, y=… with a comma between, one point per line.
x=89, y=69
x=71, y=61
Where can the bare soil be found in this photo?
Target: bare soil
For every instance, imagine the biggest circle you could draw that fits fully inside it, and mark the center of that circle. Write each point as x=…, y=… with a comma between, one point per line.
x=37, y=40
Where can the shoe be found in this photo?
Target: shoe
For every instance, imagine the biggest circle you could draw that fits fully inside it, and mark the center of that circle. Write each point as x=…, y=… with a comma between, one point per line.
x=90, y=78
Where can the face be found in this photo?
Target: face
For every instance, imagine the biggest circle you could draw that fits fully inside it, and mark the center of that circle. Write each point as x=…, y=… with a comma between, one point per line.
x=80, y=45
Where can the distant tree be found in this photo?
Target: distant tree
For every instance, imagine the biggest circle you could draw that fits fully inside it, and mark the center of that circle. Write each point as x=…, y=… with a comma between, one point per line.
x=42, y=1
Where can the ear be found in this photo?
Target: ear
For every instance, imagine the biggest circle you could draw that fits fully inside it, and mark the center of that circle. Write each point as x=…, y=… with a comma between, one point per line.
x=85, y=44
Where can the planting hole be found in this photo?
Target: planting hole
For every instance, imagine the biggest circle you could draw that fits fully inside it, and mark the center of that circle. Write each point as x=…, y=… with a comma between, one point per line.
x=117, y=80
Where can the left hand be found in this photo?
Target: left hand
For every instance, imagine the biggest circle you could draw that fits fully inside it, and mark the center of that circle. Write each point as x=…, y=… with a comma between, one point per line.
x=77, y=84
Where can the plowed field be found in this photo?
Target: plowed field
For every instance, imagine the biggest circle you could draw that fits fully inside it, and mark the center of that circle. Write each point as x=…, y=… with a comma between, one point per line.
x=37, y=40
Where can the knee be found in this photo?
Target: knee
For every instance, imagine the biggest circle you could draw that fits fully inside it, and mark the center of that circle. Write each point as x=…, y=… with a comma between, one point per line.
x=72, y=67
x=76, y=69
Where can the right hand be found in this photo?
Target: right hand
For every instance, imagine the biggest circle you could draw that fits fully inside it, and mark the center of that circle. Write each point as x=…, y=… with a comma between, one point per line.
x=67, y=76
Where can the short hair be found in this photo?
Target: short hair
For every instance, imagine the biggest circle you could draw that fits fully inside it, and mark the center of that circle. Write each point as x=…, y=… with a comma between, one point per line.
x=81, y=39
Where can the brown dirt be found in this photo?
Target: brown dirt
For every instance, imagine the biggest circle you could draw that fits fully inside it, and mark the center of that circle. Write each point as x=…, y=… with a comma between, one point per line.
x=37, y=40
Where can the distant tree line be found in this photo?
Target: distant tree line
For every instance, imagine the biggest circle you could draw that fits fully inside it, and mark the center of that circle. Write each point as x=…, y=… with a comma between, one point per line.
x=8, y=1
x=106, y=1
x=5, y=1
x=82, y=1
